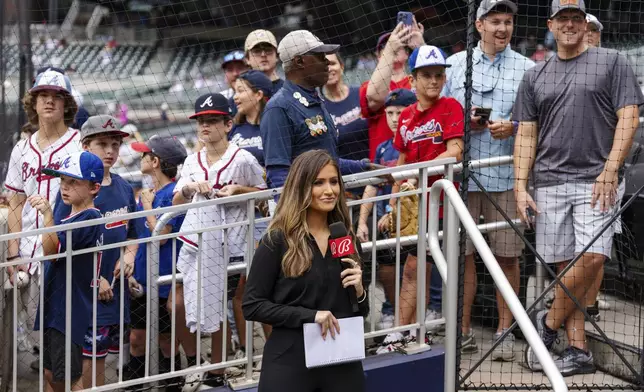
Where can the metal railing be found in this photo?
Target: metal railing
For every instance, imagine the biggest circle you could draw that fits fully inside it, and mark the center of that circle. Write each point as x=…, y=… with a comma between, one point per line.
x=448, y=167
x=457, y=210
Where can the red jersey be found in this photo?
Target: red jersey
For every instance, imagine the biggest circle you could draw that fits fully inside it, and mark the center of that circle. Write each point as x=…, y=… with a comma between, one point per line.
x=378, y=128
x=422, y=136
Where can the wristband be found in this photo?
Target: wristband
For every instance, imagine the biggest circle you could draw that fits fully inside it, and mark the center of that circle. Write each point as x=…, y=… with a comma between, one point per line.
x=13, y=257
x=364, y=296
x=515, y=127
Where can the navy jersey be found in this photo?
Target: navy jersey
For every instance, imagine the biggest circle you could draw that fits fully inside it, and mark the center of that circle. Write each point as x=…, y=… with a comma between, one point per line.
x=82, y=275
x=114, y=199
x=353, y=140
x=247, y=136
x=386, y=155
x=162, y=198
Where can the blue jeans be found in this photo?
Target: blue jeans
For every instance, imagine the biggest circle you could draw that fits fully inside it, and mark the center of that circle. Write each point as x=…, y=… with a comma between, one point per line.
x=435, y=294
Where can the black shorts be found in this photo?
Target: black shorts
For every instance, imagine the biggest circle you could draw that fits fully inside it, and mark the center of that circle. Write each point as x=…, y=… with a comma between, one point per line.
x=138, y=314
x=233, y=283
x=54, y=356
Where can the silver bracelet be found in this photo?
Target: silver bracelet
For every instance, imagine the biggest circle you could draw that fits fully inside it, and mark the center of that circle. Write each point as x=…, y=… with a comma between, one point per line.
x=364, y=296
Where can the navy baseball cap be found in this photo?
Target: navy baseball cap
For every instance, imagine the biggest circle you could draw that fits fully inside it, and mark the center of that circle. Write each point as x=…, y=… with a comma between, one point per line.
x=400, y=97
x=425, y=56
x=213, y=103
x=236, y=56
x=382, y=41
x=168, y=149
x=80, y=165
x=259, y=81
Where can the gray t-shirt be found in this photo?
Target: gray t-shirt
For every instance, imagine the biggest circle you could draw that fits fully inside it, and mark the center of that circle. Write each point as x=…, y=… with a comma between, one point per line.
x=575, y=104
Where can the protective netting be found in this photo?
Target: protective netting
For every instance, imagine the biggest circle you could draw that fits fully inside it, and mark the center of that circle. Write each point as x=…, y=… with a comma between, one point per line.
x=153, y=64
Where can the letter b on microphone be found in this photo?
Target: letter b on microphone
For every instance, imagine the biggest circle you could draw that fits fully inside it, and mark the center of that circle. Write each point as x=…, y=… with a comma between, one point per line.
x=341, y=247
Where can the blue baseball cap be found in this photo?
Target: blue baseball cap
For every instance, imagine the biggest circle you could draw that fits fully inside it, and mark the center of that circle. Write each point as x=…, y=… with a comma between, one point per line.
x=425, y=56
x=52, y=79
x=235, y=56
x=400, y=97
x=212, y=103
x=259, y=81
x=81, y=165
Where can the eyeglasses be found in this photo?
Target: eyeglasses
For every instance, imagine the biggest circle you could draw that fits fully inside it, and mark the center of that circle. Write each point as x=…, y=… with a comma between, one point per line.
x=570, y=18
x=262, y=50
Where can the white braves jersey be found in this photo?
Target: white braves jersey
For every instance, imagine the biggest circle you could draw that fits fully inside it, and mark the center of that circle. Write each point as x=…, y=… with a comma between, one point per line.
x=237, y=166
x=24, y=176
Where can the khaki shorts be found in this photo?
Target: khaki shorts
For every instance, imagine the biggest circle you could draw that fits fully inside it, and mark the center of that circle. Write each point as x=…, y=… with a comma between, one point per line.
x=504, y=243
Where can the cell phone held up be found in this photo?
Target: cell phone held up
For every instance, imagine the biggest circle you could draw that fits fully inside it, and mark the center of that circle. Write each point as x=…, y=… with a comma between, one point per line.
x=484, y=114
x=531, y=215
x=406, y=18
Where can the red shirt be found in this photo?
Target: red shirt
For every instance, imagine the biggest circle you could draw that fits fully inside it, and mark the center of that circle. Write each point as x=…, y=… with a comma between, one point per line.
x=422, y=136
x=377, y=121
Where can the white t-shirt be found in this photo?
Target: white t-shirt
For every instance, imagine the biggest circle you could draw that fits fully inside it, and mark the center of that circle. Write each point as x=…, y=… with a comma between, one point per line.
x=24, y=176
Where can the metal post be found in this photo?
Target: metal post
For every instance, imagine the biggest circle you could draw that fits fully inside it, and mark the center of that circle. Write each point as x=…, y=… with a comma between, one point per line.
x=68, y=312
x=153, y=293
x=52, y=20
x=26, y=71
x=451, y=318
x=421, y=306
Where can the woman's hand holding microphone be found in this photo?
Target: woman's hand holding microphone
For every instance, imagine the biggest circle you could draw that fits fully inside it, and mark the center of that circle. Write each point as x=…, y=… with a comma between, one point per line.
x=350, y=277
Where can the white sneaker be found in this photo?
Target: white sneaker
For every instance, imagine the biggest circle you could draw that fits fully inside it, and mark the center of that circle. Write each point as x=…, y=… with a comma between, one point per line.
x=193, y=381
x=432, y=315
x=235, y=371
x=391, y=342
x=602, y=304
x=386, y=322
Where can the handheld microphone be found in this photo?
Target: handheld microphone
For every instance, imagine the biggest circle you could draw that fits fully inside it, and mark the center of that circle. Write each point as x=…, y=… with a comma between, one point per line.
x=341, y=245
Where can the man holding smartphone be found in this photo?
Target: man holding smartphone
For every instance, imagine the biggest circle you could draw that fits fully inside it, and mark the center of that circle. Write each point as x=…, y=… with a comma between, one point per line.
x=497, y=72
x=578, y=113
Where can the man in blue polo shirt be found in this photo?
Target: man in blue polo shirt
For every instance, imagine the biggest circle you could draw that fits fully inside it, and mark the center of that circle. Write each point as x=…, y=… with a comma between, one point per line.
x=295, y=119
x=497, y=73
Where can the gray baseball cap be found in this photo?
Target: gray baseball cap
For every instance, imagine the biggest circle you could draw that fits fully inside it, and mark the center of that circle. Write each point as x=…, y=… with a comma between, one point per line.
x=592, y=19
x=488, y=6
x=560, y=5
x=301, y=42
x=100, y=124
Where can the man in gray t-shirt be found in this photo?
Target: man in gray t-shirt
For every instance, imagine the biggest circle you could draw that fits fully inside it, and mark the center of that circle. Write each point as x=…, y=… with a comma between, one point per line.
x=578, y=113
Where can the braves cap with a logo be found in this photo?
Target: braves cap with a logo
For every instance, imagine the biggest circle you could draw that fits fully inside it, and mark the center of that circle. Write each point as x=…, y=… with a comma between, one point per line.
x=168, y=149
x=100, y=124
x=232, y=57
x=52, y=79
x=488, y=6
x=560, y=5
x=257, y=37
x=400, y=97
x=214, y=103
x=425, y=56
x=81, y=165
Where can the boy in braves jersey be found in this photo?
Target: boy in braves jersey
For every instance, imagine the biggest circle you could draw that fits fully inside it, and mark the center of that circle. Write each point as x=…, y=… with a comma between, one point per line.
x=101, y=136
x=220, y=169
x=50, y=108
x=432, y=128
x=81, y=176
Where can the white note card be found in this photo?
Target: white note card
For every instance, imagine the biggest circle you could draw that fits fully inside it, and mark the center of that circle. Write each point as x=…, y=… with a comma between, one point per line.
x=348, y=346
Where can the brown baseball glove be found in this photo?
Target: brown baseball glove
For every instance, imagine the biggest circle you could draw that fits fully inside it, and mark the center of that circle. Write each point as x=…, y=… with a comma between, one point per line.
x=408, y=213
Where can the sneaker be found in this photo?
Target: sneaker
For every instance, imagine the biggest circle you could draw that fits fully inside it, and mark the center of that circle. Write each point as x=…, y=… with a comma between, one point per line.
x=193, y=380
x=432, y=315
x=505, y=350
x=392, y=342
x=468, y=345
x=548, y=337
x=386, y=322
x=238, y=370
x=575, y=361
x=602, y=304
x=214, y=380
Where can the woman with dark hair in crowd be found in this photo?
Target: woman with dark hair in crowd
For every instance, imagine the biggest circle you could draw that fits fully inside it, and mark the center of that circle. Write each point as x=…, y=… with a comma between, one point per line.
x=295, y=280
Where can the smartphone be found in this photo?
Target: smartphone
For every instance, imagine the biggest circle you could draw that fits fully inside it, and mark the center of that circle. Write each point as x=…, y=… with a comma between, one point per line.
x=484, y=113
x=407, y=18
x=530, y=213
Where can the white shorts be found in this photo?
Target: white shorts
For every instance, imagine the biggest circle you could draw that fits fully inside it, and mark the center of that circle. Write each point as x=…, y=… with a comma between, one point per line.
x=567, y=224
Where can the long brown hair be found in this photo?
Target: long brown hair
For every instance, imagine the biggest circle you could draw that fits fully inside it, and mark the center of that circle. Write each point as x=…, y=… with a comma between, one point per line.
x=290, y=215
x=240, y=118
x=29, y=104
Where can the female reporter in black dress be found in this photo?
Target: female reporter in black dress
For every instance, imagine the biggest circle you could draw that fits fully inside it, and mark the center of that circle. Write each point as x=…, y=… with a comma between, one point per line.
x=294, y=280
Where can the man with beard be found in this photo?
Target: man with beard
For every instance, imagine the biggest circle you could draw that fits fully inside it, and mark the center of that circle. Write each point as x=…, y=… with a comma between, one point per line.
x=578, y=114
